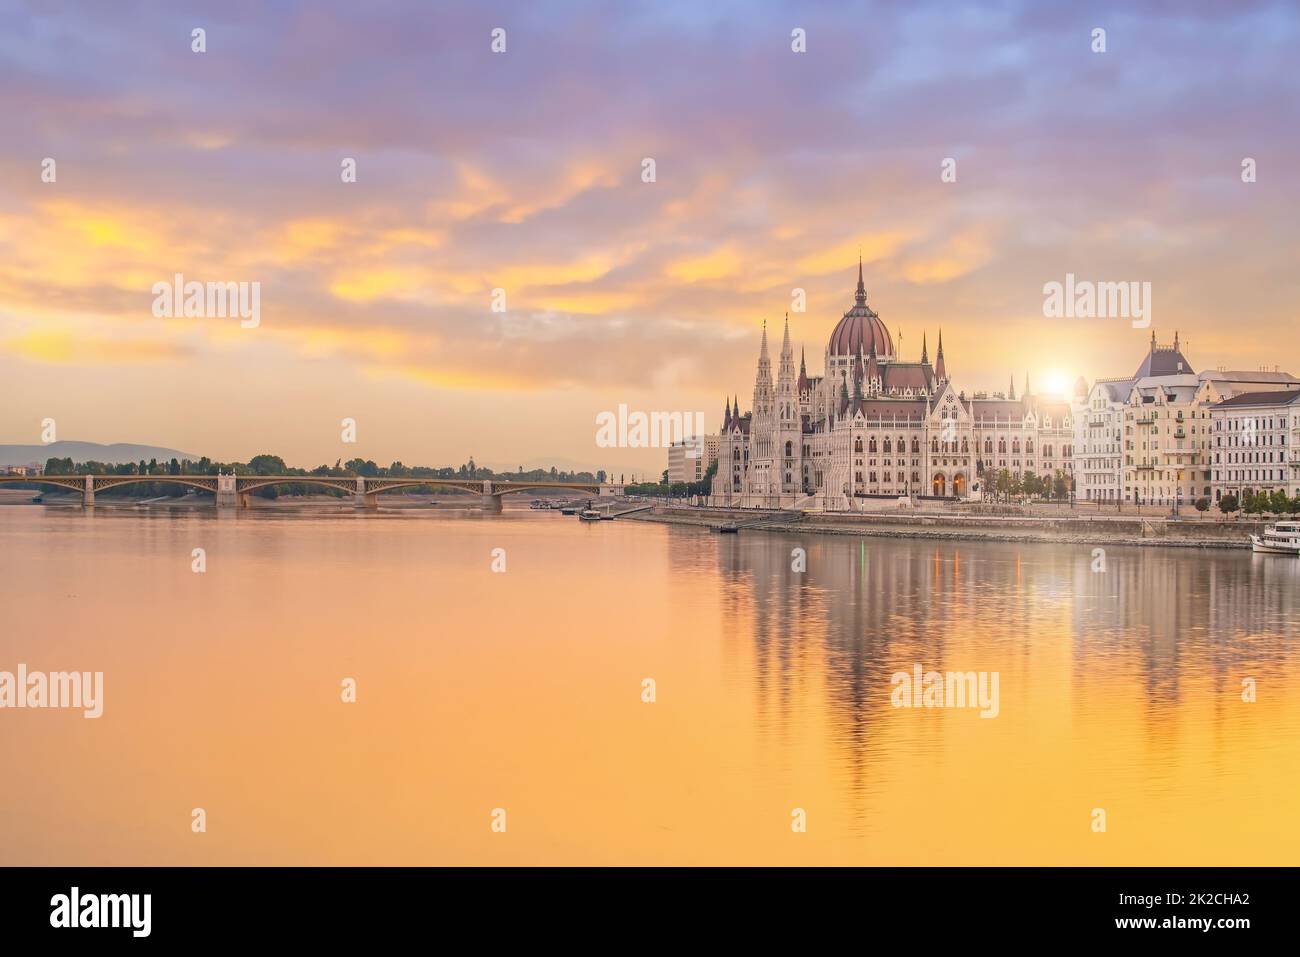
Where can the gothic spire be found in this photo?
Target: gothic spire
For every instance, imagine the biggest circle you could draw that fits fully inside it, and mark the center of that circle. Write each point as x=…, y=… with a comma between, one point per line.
x=1012, y=396
x=925, y=352
x=861, y=295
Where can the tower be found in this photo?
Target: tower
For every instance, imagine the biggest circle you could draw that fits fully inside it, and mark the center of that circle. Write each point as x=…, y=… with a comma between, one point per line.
x=789, y=428
x=763, y=424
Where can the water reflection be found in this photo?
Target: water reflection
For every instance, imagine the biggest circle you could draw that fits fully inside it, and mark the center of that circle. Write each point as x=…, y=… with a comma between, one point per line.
x=1119, y=689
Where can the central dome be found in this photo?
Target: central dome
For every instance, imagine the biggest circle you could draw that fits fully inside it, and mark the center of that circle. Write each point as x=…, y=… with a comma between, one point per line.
x=861, y=329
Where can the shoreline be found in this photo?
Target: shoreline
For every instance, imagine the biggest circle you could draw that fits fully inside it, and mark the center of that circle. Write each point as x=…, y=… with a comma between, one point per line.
x=1138, y=532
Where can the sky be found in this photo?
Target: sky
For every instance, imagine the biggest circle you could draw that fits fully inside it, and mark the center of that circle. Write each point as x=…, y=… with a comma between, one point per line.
x=522, y=171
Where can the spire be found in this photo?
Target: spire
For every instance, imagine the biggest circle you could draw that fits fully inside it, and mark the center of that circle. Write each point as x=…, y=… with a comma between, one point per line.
x=786, y=348
x=873, y=369
x=925, y=351
x=803, y=373
x=1026, y=385
x=726, y=417
x=940, y=369
x=762, y=351
x=861, y=296
x=1012, y=396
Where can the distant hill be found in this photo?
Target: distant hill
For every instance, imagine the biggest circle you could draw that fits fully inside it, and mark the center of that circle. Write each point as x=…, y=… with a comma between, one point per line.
x=115, y=454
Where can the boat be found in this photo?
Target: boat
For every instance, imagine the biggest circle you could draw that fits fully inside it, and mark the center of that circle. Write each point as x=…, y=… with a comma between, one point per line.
x=729, y=528
x=569, y=510
x=38, y=498
x=1280, y=539
x=606, y=517
x=589, y=515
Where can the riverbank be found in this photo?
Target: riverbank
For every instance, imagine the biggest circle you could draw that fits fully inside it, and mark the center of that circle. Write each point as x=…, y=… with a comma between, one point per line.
x=1093, y=530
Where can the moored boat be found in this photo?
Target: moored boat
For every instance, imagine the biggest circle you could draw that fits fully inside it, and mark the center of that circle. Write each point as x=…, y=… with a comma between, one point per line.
x=729, y=528
x=589, y=515
x=1280, y=539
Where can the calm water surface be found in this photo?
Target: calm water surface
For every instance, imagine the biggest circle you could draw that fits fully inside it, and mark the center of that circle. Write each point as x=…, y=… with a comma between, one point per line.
x=522, y=690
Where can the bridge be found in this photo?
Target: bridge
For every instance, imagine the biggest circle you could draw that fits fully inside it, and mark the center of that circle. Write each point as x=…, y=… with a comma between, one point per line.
x=232, y=491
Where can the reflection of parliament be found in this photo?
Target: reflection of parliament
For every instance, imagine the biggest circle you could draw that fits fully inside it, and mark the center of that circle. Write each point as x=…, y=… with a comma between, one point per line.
x=876, y=425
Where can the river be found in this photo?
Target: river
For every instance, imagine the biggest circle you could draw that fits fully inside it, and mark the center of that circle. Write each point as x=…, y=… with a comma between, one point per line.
x=1120, y=689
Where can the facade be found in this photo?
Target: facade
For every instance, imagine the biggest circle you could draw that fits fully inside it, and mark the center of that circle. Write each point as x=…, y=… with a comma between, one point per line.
x=1099, y=439
x=1168, y=441
x=875, y=426
x=1253, y=440
x=688, y=461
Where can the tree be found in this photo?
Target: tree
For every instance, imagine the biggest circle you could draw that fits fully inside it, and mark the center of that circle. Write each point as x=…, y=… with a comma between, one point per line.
x=1061, y=485
x=1228, y=504
x=1202, y=506
x=267, y=465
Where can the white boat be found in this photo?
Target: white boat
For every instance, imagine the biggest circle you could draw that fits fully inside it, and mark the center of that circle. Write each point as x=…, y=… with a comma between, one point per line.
x=1280, y=539
x=589, y=515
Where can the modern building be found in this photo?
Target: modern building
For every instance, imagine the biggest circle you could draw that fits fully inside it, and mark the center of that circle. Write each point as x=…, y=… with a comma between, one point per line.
x=1254, y=436
x=875, y=425
x=689, y=460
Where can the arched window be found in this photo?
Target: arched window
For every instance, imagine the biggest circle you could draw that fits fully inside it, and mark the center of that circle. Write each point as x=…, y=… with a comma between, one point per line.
x=789, y=450
x=988, y=446
x=871, y=446
x=965, y=446
x=857, y=447
x=1029, y=446
x=916, y=446
x=889, y=446
x=1002, y=445
x=1015, y=446
x=934, y=446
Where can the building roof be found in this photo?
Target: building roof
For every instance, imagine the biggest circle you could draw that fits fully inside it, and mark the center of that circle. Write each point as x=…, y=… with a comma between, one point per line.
x=1286, y=397
x=861, y=329
x=1228, y=375
x=1164, y=360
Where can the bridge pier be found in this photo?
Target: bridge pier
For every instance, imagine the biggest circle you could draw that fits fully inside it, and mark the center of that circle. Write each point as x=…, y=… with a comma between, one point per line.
x=227, y=496
x=492, y=504
x=363, y=499
x=88, y=496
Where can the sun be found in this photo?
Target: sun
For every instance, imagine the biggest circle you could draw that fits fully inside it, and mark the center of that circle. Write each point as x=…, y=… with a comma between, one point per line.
x=1057, y=383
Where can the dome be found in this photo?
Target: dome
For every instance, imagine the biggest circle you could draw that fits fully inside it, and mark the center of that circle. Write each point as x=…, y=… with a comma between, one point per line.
x=861, y=327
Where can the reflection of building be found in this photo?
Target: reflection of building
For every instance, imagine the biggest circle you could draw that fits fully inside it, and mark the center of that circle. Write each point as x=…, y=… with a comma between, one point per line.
x=1254, y=436
x=874, y=424
x=688, y=460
